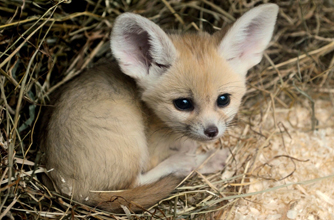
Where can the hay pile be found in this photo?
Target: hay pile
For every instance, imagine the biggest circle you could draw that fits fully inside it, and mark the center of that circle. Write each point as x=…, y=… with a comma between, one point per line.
x=283, y=134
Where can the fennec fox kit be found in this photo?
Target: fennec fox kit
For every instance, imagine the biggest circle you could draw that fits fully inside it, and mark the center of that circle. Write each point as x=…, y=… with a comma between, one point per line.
x=134, y=125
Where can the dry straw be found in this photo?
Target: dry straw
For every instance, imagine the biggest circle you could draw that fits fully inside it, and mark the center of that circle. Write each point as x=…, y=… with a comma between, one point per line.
x=43, y=44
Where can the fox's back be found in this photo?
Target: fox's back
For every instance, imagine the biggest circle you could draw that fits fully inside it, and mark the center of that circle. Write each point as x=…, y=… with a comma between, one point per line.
x=89, y=116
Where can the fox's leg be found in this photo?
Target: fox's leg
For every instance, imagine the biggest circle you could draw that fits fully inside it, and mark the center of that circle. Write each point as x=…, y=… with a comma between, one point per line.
x=183, y=162
x=178, y=164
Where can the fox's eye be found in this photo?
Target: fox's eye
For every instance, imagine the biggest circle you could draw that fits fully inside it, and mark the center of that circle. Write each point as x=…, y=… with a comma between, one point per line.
x=223, y=100
x=183, y=104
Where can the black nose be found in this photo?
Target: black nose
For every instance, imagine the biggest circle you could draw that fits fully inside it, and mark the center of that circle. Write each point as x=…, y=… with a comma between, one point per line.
x=211, y=131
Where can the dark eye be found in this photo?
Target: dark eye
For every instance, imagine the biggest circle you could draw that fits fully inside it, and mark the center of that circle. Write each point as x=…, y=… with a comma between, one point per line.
x=183, y=104
x=223, y=100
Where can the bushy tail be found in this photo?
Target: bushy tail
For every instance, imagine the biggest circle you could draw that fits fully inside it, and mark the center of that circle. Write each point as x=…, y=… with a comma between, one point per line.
x=136, y=199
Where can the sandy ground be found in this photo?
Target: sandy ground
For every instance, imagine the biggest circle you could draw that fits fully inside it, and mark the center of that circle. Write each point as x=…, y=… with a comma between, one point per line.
x=306, y=155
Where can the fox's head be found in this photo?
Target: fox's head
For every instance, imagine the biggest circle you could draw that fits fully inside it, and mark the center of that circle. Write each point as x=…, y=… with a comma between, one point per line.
x=193, y=82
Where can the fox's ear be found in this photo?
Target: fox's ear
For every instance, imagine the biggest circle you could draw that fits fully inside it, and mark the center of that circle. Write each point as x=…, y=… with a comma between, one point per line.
x=142, y=49
x=245, y=42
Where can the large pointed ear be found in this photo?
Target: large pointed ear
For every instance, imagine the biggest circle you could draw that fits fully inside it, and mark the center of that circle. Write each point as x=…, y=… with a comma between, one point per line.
x=142, y=49
x=244, y=43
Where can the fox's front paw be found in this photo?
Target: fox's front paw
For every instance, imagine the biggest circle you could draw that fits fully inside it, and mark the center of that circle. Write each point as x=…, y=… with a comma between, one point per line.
x=183, y=163
x=216, y=162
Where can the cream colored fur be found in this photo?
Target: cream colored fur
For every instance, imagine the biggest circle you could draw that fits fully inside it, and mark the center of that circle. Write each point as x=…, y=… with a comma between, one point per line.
x=107, y=131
